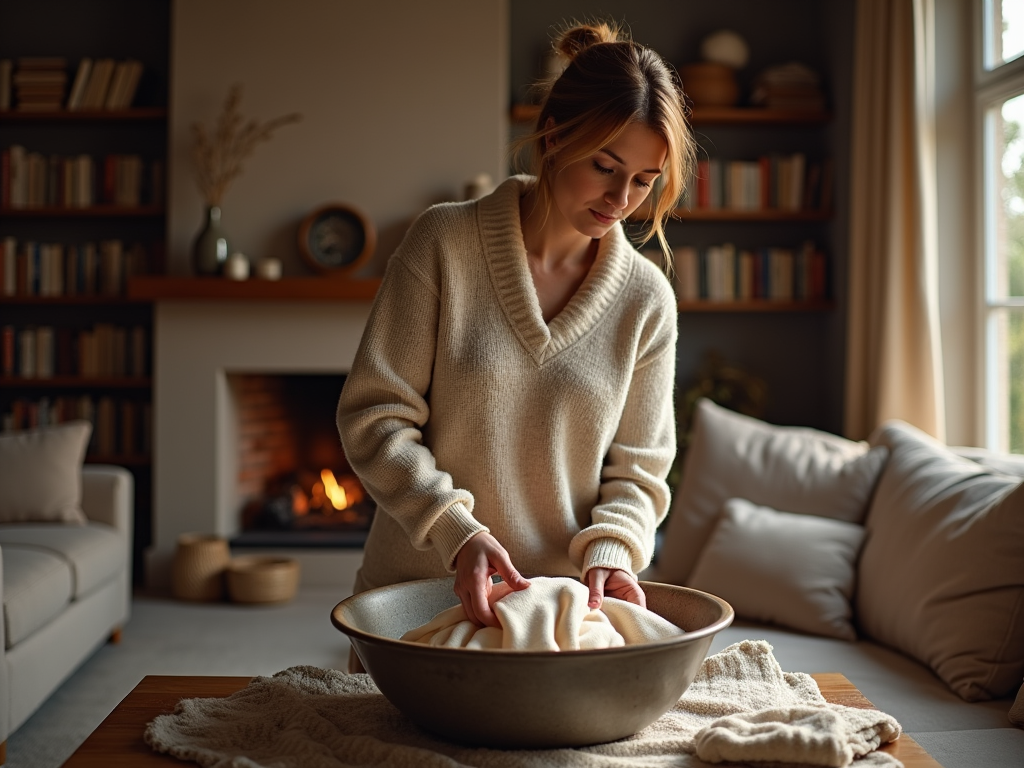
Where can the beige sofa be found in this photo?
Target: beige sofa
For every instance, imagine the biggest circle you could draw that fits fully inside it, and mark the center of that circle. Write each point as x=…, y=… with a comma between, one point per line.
x=66, y=585
x=898, y=562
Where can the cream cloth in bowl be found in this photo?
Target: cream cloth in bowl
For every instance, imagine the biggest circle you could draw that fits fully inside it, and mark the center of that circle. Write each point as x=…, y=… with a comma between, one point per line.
x=550, y=615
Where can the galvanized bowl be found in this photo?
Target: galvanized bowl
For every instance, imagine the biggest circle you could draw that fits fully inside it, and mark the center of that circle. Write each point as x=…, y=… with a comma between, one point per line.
x=527, y=699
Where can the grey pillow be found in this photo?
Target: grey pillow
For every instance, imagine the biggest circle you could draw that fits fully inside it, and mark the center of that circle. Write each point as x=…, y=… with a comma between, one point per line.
x=941, y=577
x=796, y=469
x=794, y=570
x=41, y=474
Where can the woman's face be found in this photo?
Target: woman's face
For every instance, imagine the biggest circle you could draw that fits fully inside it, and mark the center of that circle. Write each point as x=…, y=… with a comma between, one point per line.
x=594, y=193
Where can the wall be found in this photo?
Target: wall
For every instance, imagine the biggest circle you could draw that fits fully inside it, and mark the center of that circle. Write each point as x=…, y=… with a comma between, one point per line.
x=401, y=104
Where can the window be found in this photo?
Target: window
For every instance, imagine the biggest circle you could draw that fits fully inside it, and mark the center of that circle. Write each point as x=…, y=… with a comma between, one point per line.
x=1000, y=98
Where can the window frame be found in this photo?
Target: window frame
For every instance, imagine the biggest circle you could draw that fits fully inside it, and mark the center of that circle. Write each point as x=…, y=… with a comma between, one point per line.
x=992, y=86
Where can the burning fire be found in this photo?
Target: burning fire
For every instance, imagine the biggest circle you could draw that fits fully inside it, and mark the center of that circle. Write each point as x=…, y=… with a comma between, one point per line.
x=337, y=495
x=328, y=496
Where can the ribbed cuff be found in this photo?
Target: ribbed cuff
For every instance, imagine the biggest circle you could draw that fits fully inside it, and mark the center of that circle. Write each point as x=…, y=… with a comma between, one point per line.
x=453, y=528
x=607, y=553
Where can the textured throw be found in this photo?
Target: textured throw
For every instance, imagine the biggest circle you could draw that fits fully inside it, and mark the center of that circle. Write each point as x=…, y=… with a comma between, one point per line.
x=550, y=615
x=306, y=717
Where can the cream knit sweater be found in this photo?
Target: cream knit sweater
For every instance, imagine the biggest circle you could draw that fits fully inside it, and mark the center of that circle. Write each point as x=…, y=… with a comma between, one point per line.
x=465, y=412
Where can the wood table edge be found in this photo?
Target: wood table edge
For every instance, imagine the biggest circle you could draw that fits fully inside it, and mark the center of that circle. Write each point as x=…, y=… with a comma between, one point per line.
x=117, y=742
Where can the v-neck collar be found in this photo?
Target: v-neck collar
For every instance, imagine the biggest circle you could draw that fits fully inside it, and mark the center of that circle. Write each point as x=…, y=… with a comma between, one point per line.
x=505, y=251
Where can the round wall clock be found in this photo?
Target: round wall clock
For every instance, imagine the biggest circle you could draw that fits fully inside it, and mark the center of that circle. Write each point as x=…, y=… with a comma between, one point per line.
x=336, y=239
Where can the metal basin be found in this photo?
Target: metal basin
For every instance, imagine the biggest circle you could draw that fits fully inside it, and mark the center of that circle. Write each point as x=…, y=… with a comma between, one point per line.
x=527, y=699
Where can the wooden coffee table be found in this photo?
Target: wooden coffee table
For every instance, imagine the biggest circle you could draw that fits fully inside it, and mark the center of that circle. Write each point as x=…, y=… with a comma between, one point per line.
x=117, y=742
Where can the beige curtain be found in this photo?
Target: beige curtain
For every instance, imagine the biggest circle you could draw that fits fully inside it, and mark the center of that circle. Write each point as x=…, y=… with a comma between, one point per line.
x=893, y=360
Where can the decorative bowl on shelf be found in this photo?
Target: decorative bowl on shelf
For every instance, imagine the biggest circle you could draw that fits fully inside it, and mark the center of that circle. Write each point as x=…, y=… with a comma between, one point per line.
x=710, y=84
x=452, y=692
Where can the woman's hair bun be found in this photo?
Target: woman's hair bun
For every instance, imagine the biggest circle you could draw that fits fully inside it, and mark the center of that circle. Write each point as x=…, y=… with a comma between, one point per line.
x=576, y=39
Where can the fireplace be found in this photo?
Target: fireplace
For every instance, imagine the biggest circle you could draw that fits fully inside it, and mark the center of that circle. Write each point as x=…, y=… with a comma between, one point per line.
x=200, y=349
x=295, y=487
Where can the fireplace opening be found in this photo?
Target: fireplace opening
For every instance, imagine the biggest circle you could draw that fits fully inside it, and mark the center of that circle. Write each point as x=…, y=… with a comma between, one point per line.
x=294, y=484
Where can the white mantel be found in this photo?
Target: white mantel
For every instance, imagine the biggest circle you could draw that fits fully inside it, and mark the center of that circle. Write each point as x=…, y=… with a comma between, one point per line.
x=196, y=344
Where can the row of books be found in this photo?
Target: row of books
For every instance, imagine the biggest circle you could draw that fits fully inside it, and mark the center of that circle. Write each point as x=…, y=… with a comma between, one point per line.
x=30, y=268
x=772, y=182
x=727, y=273
x=120, y=426
x=104, y=351
x=39, y=84
x=31, y=179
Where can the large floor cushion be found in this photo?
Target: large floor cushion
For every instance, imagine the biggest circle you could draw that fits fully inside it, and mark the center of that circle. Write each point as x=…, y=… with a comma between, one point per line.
x=95, y=552
x=37, y=587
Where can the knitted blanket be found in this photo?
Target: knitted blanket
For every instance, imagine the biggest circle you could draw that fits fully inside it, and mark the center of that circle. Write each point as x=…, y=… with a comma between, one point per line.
x=740, y=707
x=550, y=615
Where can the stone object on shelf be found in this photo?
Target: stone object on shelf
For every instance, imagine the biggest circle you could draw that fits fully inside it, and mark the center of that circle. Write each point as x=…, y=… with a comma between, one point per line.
x=725, y=47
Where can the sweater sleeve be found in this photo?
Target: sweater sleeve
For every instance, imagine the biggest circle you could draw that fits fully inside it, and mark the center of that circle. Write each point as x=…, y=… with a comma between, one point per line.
x=383, y=406
x=634, y=497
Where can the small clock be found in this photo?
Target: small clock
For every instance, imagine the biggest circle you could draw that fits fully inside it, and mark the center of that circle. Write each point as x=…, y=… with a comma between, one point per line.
x=336, y=239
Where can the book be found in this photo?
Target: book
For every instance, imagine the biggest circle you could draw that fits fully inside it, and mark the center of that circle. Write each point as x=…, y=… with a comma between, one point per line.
x=9, y=272
x=687, y=273
x=27, y=353
x=99, y=81
x=8, y=343
x=132, y=85
x=117, y=83
x=74, y=102
x=45, y=350
x=6, y=71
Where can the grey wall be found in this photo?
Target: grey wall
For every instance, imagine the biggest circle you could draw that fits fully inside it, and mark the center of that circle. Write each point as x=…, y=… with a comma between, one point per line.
x=402, y=102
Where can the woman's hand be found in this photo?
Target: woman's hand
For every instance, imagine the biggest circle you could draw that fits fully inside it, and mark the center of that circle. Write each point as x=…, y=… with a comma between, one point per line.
x=614, y=583
x=479, y=559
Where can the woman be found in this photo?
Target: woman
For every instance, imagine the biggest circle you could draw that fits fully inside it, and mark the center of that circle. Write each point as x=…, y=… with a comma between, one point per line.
x=510, y=405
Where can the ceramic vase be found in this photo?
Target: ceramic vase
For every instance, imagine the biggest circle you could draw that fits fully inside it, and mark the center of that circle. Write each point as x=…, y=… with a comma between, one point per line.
x=210, y=249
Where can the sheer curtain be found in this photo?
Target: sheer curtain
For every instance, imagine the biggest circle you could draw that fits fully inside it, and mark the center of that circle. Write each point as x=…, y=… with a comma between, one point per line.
x=893, y=358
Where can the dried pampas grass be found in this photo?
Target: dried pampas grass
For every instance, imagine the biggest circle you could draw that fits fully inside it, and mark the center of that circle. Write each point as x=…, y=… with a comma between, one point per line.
x=219, y=156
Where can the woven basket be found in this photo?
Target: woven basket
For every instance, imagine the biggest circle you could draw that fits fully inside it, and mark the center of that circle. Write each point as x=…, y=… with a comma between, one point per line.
x=262, y=579
x=199, y=564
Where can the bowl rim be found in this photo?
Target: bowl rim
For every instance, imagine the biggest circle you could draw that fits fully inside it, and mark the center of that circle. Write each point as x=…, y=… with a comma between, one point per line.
x=710, y=630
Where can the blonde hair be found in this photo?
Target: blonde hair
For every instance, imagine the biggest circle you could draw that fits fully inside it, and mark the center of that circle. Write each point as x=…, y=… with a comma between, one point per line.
x=608, y=84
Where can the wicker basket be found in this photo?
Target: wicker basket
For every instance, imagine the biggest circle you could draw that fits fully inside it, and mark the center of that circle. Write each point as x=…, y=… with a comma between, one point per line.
x=262, y=579
x=199, y=564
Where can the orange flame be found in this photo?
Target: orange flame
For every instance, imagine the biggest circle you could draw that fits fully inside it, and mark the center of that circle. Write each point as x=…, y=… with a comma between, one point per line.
x=337, y=495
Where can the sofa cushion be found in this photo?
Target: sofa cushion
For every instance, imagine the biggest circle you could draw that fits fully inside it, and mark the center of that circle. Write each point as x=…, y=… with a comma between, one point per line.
x=794, y=570
x=796, y=469
x=941, y=575
x=40, y=474
x=1017, y=710
x=37, y=586
x=95, y=552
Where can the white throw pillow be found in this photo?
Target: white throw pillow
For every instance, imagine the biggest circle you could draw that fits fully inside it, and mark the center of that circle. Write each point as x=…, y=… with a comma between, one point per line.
x=41, y=474
x=797, y=469
x=941, y=577
x=797, y=571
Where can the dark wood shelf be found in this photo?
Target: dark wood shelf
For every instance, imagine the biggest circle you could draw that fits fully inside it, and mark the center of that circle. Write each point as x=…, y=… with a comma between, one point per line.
x=730, y=214
x=524, y=113
x=755, y=305
x=93, y=211
x=76, y=382
x=169, y=288
x=120, y=460
x=136, y=114
x=86, y=299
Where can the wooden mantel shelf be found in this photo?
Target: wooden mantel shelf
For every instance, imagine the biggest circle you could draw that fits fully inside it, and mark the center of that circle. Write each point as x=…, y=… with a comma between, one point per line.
x=169, y=288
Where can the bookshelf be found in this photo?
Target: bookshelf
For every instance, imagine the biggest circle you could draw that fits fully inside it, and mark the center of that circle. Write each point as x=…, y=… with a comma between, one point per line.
x=73, y=343
x=797, y=347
